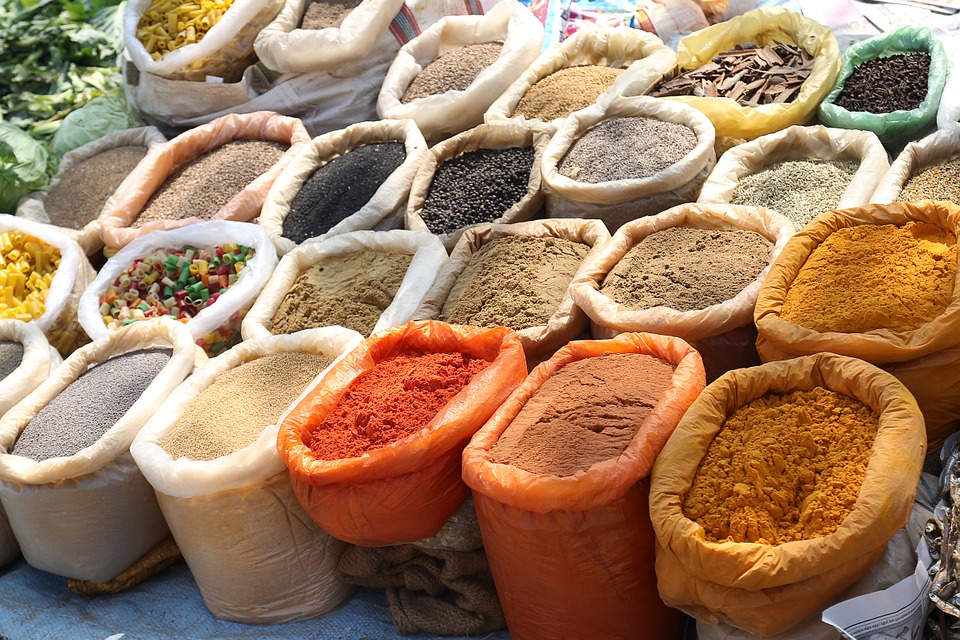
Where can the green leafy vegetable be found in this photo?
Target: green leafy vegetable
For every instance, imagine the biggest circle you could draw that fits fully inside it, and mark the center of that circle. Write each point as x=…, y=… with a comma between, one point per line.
x=24, y=166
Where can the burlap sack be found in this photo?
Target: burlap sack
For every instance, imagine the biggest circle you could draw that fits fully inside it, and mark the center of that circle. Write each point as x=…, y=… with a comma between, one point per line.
x=766, y=589
x=568, y=321
x=123, y=208
x=619, y=201
x=940, y=146
x=389, y=199
x=32, y=207
x=642, y=55
x=497, y=136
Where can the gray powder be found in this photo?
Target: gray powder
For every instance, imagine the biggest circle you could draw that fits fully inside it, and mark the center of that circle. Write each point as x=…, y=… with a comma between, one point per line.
x=11, y=355
x=90, y=405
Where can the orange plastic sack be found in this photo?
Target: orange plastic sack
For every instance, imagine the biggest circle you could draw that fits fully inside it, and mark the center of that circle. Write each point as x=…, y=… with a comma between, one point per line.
x=924, y=360
x=407, y=490
x=766, y=589
x=572, y=557
x=122, y=209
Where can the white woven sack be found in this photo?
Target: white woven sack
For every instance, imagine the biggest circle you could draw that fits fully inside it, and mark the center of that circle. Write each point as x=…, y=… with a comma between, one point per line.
x=939, y=146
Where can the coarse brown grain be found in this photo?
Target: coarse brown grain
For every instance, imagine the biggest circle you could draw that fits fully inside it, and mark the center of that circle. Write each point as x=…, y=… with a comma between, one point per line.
x=565, y=91
x=453, y=71
x=935, y=182
x=321, y=14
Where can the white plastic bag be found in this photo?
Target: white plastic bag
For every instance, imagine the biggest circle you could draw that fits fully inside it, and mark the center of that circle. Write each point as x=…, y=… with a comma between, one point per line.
x=90, y=515
x=237, y=299
x=495, y=136
x=285, y=46
x=429, y=259
x=455, y=111
x=619, y=201
x=643, y=56
x=390, y=197
x=937, y=147
x=32, y=207
x=256, y=555
x=948, y=113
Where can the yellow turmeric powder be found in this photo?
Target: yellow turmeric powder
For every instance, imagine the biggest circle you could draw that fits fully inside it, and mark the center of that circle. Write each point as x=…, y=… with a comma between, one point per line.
x=783, y=467
x=875, y=276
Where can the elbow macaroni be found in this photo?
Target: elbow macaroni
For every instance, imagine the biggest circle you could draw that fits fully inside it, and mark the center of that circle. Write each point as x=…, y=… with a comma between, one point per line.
x=167, y=25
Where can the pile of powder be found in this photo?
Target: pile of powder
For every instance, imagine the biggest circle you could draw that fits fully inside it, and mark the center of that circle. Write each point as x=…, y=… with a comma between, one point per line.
x=936, y=182
x=565, y=91
x=11, y=355
x=204, y=185
x=626, y=148
x=394, y=400
x=321, y=14
x=875, y=277
x=783, y=468
x=351, y=290
x=478, y=186
x=84, y=188
x=453, y=71
x=232, y=412
x=587, y=413
x=340, y=188
x=514, y=281
x=90, y=405
x=687, y=269
x=799, y=189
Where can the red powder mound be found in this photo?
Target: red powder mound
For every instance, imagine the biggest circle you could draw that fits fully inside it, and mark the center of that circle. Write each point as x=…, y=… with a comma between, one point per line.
x=398, y=398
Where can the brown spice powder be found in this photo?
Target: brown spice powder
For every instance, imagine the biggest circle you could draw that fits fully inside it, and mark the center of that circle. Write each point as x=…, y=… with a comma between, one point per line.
x=783, y=467
x=565, y=91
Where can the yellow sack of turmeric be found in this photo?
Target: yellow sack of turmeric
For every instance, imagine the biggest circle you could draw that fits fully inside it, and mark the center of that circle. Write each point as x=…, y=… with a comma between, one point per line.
x=760, y=587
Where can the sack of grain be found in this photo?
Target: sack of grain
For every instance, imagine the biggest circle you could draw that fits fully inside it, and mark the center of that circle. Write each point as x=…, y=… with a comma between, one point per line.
x=924, y=170
x=319, y=194
x=76, y=500
x=473, y=193
x=366, y=281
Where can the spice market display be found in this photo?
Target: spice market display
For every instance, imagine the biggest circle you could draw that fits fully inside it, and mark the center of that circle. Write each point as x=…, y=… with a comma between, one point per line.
x=514, y=421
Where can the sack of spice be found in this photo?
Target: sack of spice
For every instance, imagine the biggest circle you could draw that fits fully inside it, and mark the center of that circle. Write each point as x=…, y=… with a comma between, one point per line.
x=560, y=481
x=878, y=283
x=348, y=180
x=889, y=84
x=693, y=271
x=780, y=488
x=592, y=66
x=634, y=157
x=221, y=170
x=315, y=35
x=206, y=275
x=490, y=173
x=367, y=281
x=76, y=500
x=185, y=41
x=447, y=77
x=765, y=26
x=421, y=391
x=800, y=172
x=924, y=170
x=518, y=276
x=226, y=494
x=85, y=179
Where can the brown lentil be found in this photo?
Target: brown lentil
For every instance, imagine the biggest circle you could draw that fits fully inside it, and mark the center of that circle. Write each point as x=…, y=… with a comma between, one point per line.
x=321, y=14
x=453, y=71
x=565, y=91
x=935, y=182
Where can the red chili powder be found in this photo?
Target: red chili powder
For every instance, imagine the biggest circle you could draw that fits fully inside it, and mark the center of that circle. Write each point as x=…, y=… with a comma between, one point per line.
x=399, y=397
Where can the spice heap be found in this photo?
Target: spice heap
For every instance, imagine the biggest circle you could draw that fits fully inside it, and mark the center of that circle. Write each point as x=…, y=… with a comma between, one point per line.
x=351, y=290
x=340, y=188
x=394, y=400
x=565, y=91
x=749, y=74
x=625, y=149
x=514, y=281
x=11, y=355
x=321, y=14
x=687, y=269
x=201, y=187
x=90, y=405
x=453, y=71
x=936, y=182
x=871, y=277
x=222, y=419
x=84, y=188
x=883, y=85
x=798, y=189
x=167, y=25
x=587, y=413
x=783, y=468
x=27, y=267
x=478, y=186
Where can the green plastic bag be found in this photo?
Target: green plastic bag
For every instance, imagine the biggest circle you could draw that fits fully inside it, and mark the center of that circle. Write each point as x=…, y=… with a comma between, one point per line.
x=896, y=125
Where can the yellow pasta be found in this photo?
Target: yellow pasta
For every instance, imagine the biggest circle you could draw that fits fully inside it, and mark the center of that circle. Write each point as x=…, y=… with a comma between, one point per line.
x=167, y=25
x=27, y=267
